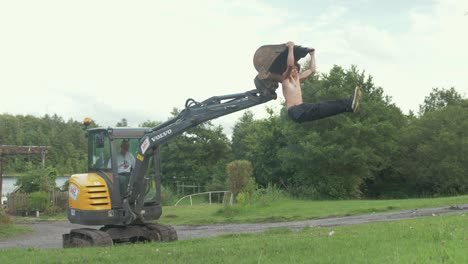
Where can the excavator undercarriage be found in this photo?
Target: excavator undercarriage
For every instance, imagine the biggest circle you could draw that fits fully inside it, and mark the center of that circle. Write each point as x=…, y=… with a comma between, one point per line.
x=110, y=235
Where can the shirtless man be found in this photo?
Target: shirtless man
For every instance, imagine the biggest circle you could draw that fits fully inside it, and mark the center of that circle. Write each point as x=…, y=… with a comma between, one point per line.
x=299, y=111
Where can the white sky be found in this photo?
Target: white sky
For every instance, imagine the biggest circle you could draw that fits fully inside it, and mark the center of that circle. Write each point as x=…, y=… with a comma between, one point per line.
x=138, y=59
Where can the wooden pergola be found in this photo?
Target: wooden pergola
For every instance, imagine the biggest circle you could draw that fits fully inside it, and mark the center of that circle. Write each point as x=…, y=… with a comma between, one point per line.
x=10, y=150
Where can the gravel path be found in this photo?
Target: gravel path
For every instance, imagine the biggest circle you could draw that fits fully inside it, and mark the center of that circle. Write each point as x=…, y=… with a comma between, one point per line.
x=49, y=234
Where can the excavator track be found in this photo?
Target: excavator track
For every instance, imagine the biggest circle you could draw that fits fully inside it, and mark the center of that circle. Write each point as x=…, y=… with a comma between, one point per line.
x=166, y=233
x=109, y=235
x=86, y=237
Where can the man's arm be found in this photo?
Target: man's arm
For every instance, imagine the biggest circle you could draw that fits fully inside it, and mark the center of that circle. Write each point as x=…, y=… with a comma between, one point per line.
x=311, y=69
x=290, y=60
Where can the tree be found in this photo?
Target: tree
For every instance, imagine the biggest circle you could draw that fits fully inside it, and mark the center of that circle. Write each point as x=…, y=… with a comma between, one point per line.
x=438, y=99
x=67, y=140
x=195, y=156
x=122, y=123
x=40, y=180
x=334, y=157
x=149, y=123
x=259, y=141
x=434, y=157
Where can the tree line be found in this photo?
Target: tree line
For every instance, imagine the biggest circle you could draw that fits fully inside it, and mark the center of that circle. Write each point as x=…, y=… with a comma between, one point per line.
x=378, y=152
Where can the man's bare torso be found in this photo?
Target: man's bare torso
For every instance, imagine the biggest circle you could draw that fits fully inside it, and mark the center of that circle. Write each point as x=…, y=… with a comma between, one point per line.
x=292, y=90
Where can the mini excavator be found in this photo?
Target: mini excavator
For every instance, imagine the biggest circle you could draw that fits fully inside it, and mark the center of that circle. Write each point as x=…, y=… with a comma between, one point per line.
x=122, y=203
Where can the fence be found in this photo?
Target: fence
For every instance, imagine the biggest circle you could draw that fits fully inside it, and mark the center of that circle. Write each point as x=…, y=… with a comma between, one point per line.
x=20, y=203
x=225, y=193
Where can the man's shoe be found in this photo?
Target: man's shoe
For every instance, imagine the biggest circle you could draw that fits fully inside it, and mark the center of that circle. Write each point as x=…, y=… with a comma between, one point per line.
x=356, y=99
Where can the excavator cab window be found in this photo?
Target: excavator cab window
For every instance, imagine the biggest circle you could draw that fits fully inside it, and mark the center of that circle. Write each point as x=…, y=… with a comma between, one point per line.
x=99, y=151
x=126, y=149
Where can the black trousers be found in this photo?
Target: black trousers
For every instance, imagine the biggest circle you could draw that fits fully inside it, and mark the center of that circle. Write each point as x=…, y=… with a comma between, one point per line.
x=314, y=111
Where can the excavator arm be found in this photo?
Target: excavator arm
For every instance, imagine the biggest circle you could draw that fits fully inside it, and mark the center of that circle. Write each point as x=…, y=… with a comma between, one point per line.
x=194, y=113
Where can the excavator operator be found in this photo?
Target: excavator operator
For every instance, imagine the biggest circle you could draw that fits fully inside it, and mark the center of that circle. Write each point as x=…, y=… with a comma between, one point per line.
x=125, y=164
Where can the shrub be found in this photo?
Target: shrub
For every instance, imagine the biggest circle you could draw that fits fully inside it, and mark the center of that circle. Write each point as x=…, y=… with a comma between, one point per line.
x=38, y=201
x=240, y=177
x=4, y=217
x=53, y=210
x=268, y=195
x=167, y=196
x=38, y=180
x=242, y=198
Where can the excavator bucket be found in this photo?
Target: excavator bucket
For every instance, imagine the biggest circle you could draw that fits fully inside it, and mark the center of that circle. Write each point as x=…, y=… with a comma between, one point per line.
x=273, y=58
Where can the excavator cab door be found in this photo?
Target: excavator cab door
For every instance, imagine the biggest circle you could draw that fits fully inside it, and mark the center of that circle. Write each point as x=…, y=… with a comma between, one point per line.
x=99, y=151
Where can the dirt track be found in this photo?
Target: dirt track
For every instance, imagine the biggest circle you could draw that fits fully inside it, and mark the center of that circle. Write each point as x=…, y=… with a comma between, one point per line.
x=49, y=234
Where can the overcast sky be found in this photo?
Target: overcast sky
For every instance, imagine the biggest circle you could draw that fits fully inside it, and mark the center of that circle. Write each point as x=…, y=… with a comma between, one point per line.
x=138, y=59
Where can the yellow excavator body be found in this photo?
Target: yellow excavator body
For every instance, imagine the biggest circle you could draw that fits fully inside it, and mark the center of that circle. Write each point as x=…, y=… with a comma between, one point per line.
x=88, y=191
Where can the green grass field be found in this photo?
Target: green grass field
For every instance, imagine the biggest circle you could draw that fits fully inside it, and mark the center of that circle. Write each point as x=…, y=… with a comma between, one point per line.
x=291, y=210
x=280, y=210
x=440, y=239
x=10, y=230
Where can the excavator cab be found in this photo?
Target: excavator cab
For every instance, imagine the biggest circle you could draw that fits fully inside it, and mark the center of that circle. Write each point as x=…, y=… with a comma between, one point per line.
x=100, y=157
x=98, y=197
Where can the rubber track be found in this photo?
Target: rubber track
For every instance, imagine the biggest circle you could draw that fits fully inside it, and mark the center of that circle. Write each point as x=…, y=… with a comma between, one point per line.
x=94, y=237
x=167, y=233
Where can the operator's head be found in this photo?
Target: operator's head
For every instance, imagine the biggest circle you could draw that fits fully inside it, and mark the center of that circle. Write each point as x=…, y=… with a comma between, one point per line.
x=124, y=146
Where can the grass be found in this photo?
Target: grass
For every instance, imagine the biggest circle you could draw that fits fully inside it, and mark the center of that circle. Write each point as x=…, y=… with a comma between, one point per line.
x=9, y=230
x=42, y=217
x=293, y=210
x=281, y=210
x=441, y=239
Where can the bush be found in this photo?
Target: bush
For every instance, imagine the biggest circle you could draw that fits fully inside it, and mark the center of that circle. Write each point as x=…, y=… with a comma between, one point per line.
x=38, y=180
x=38, y=201
x=4, y=218
x=305, y=192
x=268, y=195
x=167, y=196
x=262, y=196
x=53, y=210
x=240, y=177
x=242, y=198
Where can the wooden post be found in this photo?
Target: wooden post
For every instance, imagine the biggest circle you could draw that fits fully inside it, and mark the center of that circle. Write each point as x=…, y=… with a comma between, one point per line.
x=43, y=155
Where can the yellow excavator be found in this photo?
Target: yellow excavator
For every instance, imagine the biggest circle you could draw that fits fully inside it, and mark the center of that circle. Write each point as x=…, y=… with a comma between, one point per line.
x=122, y=202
